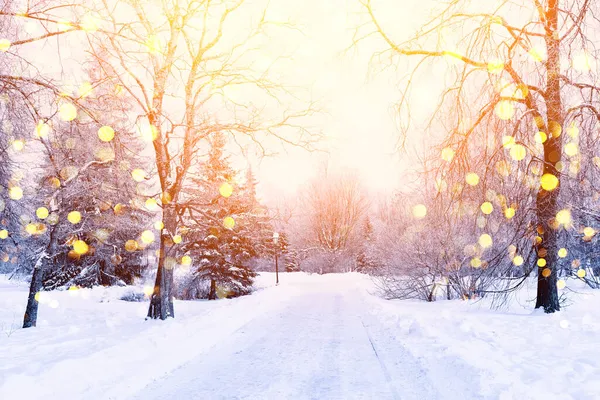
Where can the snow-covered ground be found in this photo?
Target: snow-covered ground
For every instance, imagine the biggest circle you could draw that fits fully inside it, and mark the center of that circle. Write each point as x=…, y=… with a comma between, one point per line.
x=311, y=337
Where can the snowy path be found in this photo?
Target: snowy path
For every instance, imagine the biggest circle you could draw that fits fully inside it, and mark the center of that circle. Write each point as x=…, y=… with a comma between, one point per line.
x=317, y=347
x=312, y=337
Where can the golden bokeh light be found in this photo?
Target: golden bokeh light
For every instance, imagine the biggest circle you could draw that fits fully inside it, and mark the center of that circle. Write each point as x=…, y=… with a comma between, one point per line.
x=177, y=239
x=495, y=67
x=86, y=89
x=518, y=260
x=573, y=131
x=562, y=252
x=508, y=142
x=546, y=272
x=42, y=213
x=561, y=284
x=42, y=130
x=3, y=234
x=148, y=133
x=31, y=229
x=518, y=152
x=476, y=262
x=549, y=182
x=15, y=193
x=147, y=237
x=571, y=149
x=487, y=208
x=151, y=204
x=158, y=225
x=153, y=44
x=18, y=144
x=4, y=45
x=118, y=209
x=581, y=273
x=138, y=175
x=447, y=154
x=485, y=241
x=106, y=133
x=505, y=110
x=67, y=112
x=80, y=247
x=419, y=211
x=563, y=217
x=472, y=179
x=89, y=23
x=541, y=137
x=226, y=190
x=148, y=290
x=74, y=217
x=541, y=262
x=131, y=245
x=105, y=154
x=509, y=213
x=538, y=53
x=186, y=260
x=555, y=129
x=229, y=222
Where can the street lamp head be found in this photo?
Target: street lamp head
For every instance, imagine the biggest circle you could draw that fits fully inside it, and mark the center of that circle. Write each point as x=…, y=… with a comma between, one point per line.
x=275, y=236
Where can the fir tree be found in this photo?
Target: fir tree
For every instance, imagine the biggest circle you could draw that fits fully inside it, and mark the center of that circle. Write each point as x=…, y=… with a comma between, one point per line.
x=12, y=133
x=365, y=259
x=226, y=224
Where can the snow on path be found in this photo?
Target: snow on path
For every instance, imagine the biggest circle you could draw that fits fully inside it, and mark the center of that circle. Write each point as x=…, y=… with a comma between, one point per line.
x=317, y=347
x=312, y=337
x=107, y=351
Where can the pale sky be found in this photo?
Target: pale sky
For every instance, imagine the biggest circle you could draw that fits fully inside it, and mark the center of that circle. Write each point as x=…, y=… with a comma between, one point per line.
x=358, y=118
x=359, y=122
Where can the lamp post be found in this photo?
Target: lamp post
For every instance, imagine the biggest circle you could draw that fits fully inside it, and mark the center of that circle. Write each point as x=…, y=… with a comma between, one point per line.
x=276, y=242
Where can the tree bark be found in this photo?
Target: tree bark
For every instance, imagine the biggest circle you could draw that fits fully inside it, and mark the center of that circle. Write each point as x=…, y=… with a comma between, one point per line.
x=212, y=295
x=546, y=207
x=161, y=302
x=30, y=318
x=37, y=280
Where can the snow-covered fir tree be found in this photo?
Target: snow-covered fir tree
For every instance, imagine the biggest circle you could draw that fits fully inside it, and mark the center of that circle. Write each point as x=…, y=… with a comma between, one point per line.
x=227, y=227
x=89, y=210
x=366, y=260
x=12, y=131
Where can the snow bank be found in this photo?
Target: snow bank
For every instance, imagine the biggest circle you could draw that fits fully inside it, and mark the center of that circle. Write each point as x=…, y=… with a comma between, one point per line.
x=90, y=344
x=516, y=354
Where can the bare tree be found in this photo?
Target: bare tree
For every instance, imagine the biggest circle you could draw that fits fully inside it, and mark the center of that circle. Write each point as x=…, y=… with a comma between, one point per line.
x=335, y=205
x=506, y=64
x=176, y=60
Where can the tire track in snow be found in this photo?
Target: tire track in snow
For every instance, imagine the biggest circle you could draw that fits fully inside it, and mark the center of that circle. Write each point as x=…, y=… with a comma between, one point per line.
x=385, y=371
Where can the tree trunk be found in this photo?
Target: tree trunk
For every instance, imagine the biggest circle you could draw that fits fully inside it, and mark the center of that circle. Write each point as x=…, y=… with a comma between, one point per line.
x=161, y=302
x=37, y=281
x=546, y=207
x=430, y=297
x=30, y=318
x=212, y=295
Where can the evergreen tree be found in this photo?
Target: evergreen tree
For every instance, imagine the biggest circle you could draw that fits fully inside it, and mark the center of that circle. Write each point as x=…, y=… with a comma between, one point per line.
x=258, y=217
x=12, y=133
x=365, y=259
x=110, y=203
x=289, y=255
x=227, y=226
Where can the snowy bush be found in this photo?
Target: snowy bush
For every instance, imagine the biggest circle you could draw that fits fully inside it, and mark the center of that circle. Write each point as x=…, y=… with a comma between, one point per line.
x=188, y=286
x=133, y=295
